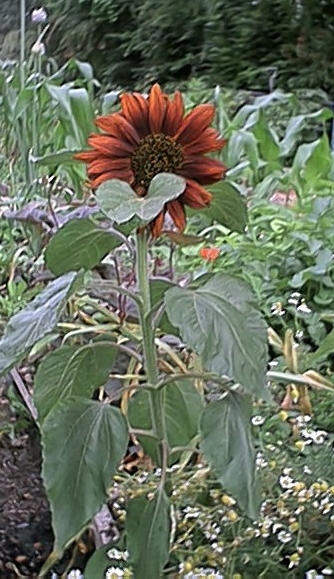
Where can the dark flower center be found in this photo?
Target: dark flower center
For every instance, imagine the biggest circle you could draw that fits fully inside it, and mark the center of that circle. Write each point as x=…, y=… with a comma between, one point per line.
x=155, y=154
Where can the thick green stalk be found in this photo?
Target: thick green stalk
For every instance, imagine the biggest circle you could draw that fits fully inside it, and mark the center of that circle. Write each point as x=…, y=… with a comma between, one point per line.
x=149, y=350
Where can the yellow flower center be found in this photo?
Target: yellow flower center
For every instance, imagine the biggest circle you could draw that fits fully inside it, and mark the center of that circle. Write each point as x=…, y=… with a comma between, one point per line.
x=155, y=154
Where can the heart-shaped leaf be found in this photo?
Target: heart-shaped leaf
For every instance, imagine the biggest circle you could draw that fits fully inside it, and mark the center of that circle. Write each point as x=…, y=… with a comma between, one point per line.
x=120, y=203
x=83, y=444
x=36, y=320
x=80, y=243
x=226, y=444
x=71, y=370
x=220, y=322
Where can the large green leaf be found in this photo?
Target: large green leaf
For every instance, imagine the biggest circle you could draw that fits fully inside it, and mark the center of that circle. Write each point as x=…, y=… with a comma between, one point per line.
x=325, y=349
x=120, y=203
x=227, y=446
x=227, y=207
x=36, y=320
x=312, y=162
x=148, y=530
x=221, y=323
x=83, y=444
x=182, y=406
x=71, y=370
x=80, y=243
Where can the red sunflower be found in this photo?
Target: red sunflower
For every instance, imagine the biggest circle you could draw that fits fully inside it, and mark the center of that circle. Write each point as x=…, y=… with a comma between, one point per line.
x=150, y=136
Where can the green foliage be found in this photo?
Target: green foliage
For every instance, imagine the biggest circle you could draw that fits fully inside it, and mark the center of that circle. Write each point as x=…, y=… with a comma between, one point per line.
x=131, y=42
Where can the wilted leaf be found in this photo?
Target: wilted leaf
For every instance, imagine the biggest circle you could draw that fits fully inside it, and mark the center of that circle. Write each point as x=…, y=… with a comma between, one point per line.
x=71, y=370
x=36, y=320
x=227, y=446
x=148, y=530
x=182, y=238
x=220, y=322
x=83, y=443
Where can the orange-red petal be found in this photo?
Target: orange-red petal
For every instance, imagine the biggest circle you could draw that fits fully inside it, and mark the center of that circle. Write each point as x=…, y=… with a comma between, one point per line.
x=195, y=196
x=207, y=141
x=157, y=224
x=102, y=177
x=177, y=213
x=110, y=145
x=117, y=126
x=107, y=164
x=174, y=114
x=204, y=170
x=86, y=156
x=157, y=109
x=195, y=123
x=135, y=110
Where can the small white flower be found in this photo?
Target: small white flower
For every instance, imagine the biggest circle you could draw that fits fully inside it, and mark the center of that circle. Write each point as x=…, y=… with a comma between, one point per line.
x=284, y=537
x=257, y=420
x=286, y=482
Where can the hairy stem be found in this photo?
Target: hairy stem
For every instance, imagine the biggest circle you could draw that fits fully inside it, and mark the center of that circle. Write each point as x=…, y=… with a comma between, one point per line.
x=149, y=350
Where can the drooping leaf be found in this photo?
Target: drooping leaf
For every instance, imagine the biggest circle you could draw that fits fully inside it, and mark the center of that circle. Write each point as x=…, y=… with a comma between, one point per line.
x=227, y=446
x=33, y=213
x=220, y=321
x=58, y=158
x=71, y=370
x=182, y=406
x=183, y=239
x=80, y=243
x=227, y=207
x=83, y=444
x=36, y=320
x=148, y=530
x=120, y=203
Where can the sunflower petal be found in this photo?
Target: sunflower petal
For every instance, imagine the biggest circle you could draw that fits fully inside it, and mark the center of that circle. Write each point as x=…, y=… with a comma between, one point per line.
x=204, y=170
x=207, y=141
x=157, y=109
x=177, y=213
x=174, y=115
x=117, y=126
x=110, y=145
x=194, y=124
x=86, y=156
x=195, y=196
x=157, y=224
x=102, y=177
x=106, y=164
x=135, y=110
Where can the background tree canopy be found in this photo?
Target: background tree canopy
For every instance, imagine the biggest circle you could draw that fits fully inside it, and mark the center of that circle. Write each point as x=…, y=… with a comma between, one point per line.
x=132, y=43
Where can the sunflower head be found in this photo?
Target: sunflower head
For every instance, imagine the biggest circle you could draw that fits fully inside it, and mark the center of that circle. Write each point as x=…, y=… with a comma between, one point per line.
x=151, y=136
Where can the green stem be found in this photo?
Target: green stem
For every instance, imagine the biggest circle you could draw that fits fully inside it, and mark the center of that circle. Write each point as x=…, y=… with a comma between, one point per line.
x=149, y=350
x=22, y=42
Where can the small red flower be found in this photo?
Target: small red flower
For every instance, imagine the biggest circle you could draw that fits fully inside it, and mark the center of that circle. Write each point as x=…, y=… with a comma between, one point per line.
x=209, y=253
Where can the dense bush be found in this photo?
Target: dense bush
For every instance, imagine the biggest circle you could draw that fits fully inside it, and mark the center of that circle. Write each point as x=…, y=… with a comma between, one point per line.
x=131, y=42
